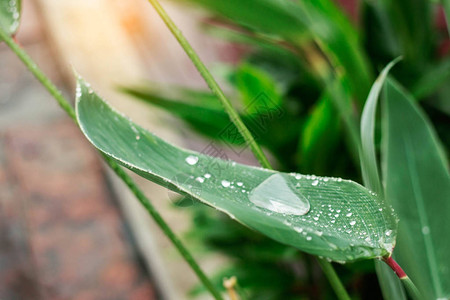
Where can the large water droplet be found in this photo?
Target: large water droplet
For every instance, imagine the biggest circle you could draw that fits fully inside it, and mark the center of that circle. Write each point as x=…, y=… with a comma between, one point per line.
x=275, y=194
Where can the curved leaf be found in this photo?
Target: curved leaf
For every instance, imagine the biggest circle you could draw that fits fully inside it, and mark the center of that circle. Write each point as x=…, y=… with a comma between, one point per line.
x=330, y=217
x=390, y=284
x=368, y=157
x=10, y=15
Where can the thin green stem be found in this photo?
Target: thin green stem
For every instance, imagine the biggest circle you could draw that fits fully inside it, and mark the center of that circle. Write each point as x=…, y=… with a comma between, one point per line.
x=234, y=116
x=213, y=85
x=65, y=104
x=407, y=282
x=334, y=280
x=31, y=65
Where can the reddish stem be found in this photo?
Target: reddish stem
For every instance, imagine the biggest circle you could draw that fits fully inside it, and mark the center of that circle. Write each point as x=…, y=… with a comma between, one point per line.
x=396, y=267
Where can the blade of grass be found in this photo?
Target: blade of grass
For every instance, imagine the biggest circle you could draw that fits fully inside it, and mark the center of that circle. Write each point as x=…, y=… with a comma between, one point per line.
x=234, y=116
x=390, y=285
x=65, y=105
x=368, y=158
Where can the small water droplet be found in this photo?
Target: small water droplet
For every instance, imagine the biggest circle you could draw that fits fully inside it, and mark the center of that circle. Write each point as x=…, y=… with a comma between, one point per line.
x=276, y=195
x=192, y=160
x=225, y=183
x=298, y=229
x=315, y=182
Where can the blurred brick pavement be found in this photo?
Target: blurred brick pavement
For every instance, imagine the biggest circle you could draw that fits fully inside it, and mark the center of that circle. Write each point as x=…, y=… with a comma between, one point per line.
x=61, y=235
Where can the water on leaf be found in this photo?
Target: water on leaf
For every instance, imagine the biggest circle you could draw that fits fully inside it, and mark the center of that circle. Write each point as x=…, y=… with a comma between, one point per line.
x=276, y=195
x=225, y=183
x=192, y=160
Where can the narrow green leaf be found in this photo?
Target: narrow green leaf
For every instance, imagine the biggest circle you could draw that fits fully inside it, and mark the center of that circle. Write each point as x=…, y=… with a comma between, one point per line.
x=390, y=284
x=204, y=113
x=330, y=217
x=368, y=157
x=417, y=183
x=10, y=15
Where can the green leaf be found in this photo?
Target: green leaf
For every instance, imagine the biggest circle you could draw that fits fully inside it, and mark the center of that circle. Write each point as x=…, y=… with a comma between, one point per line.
x=256, y=85
x=417, y=182
x=10, y=15
x=201, y=111
x=432, y=79
x=368, y=157
x=320, y=136
x=390, y=284
x=331, y=217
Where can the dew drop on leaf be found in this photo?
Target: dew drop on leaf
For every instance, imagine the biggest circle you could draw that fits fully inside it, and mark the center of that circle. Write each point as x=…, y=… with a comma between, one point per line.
x=276, y=195
x=225, y=183
x=192, y=160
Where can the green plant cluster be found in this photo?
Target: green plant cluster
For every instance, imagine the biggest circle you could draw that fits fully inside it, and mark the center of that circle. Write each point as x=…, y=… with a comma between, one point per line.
x=307, y=71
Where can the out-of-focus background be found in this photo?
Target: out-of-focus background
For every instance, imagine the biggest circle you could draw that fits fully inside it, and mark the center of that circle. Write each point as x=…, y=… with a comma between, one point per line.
x=69, y=229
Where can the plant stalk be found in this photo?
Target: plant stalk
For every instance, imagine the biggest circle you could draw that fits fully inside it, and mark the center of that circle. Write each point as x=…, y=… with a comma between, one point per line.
x=407, y=282
x=65, y=105
x=234, y=116
x=334, y=280
x=213, y=85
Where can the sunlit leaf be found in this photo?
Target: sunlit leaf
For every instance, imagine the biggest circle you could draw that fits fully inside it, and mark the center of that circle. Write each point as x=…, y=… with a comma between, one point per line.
x=417, y=182
x=335, y=218
x=10, y=15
